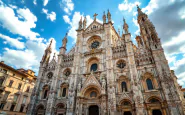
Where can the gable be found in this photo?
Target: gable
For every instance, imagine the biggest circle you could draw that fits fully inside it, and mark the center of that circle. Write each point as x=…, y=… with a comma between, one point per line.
x=91, y=80
x=94, y=26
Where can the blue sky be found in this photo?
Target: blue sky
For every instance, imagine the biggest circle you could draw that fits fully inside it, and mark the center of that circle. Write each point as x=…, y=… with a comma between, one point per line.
x=27, y=26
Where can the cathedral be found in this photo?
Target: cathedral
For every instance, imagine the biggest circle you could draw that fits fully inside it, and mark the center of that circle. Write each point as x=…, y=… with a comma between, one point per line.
x=106, y=74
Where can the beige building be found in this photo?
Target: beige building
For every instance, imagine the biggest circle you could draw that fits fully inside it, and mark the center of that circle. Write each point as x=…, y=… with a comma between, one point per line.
x=16, y=86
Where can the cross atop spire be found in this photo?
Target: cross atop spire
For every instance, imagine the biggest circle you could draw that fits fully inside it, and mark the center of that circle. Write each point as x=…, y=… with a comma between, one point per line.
x=95, y=16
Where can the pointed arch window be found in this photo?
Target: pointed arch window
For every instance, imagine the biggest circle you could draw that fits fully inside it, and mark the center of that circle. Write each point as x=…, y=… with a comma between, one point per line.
x=64, y=92
x=149, y=84
x=124, y=86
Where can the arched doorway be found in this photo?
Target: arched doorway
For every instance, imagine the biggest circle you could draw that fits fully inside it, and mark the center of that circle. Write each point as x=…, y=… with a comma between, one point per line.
x=156, y=112
x=94, y=110
x=127, y=113
x=40, y=110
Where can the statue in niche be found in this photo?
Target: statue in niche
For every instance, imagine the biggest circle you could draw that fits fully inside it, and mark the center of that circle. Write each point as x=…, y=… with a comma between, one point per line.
x=103, y=81
x=79, y=86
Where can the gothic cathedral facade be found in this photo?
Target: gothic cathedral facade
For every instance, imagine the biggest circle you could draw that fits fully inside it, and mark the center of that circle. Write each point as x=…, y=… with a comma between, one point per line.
x=106, y=74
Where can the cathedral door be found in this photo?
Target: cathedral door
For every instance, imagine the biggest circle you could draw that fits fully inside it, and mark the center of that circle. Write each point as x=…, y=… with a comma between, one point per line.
x=156, y=112
x=93, y=110
x=127, y=113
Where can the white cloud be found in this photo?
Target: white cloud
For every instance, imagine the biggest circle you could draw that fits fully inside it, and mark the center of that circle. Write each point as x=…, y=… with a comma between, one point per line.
x=137, y=32
x=127, y=6
x=13, y=42
x=20, y=24
x=30, y=57
x=67, y=5
x=66, y=19
x=45, y=2
x=51, y=16
x=35, y=2
x=153, y=4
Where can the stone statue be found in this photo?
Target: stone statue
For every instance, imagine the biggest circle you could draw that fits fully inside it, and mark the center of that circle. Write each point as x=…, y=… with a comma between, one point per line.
x=104, y=17
x=84, y=22
x=103, y=83
x=79, y=87
x=109, y=16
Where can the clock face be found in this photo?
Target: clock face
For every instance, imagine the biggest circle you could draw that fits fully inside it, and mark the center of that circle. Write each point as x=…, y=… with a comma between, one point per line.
x=95, y=44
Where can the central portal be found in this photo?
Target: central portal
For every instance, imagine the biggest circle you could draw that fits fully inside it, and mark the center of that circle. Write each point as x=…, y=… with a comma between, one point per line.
x=94, y=110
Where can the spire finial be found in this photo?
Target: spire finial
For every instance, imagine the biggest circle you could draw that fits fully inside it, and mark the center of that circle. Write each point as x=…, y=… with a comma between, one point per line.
x=95, y=16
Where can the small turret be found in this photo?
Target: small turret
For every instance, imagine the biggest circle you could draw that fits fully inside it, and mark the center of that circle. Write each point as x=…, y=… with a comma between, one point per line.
x=104, y=17
x=125, y=26
x=64, y=44
x=84, y=23
x=80, y=24
x=109, y=16
x=46, y=56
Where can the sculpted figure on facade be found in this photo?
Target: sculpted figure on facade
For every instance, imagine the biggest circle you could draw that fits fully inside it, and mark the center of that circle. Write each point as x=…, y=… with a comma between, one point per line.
x=105, y=73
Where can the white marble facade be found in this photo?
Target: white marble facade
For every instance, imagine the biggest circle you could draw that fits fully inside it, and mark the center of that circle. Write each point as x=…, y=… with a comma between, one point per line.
x=106, y=74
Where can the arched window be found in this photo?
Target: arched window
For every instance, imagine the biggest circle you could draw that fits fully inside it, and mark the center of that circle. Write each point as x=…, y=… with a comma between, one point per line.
x=124, y=86
x=45, y=91
x=64, y=92
x=149, y=84
x=94, y=67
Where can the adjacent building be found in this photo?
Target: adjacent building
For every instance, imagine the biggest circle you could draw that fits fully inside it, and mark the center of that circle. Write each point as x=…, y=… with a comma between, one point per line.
x=16, y=86
x=106, y=74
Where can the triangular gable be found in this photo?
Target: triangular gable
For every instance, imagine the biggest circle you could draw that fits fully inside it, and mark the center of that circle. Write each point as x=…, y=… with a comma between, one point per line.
x=124, y=96
x=94, y=26
x=91, y=80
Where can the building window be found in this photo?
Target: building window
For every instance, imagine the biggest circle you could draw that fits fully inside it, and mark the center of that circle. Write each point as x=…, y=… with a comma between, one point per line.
x=50, y=75
x=5, y=71
x=93, y=94
x=45, y=94
x=28, y=89
x=94, y=67
x=22, y=108
x=149, y=84
x=5, y=96
x=15, y=98
x=124, y=86
x=121, y=64
x=1, y=81
x=184, y=94
x=24, y=100
x=19, y=86
x=64, y=92
x=2, y=105
x=67, y=72
x=10, y=83
x=12, y=107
